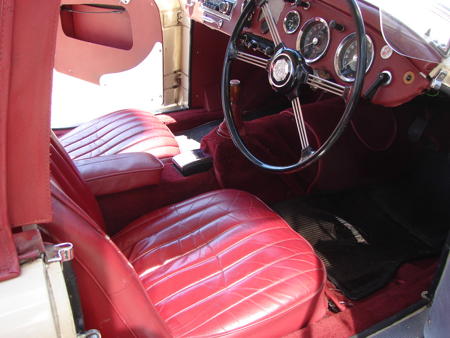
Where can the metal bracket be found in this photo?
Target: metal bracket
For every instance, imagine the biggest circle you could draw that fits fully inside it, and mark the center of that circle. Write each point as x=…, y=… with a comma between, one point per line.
x=93, y=333
x=440, y=76
x=180, y=18
x=438, y=80
x=62, y=252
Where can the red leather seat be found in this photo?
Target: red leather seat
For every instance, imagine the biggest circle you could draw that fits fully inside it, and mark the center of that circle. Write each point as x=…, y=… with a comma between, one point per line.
x=121, y=132
x=218, y=264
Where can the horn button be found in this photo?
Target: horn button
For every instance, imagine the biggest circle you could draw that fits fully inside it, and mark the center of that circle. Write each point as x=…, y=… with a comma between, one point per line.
x=287, y=70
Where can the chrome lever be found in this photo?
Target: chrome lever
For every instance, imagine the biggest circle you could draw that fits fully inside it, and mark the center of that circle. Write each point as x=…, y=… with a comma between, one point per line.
x=209, y=20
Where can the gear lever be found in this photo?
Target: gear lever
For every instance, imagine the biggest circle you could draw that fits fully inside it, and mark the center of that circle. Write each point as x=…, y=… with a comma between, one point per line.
x=235, y=90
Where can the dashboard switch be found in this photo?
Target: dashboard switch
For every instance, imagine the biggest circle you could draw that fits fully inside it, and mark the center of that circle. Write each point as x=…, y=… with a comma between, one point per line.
x=337, y=26
x=299, y=3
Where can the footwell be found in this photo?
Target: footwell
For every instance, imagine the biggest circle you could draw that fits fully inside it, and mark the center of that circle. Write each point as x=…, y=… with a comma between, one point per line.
x=364, y=235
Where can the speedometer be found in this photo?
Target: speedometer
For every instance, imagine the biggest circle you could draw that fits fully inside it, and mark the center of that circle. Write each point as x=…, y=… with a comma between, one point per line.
x=313, y=40
x=346, y=57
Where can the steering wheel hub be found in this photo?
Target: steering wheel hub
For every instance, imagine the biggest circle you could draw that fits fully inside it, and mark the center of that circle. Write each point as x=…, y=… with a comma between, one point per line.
x=281, y=70
x=286, y=70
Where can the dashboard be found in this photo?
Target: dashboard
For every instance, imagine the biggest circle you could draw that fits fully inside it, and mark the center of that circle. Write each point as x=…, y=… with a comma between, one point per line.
x=324, y=32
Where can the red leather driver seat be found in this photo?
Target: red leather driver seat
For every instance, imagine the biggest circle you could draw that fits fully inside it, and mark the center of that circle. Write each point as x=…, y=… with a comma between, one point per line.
x=121, y=132
x=219, y=264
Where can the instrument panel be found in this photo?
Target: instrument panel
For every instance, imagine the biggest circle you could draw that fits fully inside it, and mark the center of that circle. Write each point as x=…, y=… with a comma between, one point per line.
x=313, y=39
x=323, y=31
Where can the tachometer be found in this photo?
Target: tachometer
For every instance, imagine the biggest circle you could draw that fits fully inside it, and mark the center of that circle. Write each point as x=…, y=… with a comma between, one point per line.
x=345, y=59
x=314, y=39
x=291, y=22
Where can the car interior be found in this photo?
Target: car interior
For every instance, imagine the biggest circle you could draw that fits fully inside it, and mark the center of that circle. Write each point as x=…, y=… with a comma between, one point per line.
x=290, y=176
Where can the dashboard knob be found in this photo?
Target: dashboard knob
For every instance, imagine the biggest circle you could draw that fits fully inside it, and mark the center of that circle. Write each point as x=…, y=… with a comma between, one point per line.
x=224, y=7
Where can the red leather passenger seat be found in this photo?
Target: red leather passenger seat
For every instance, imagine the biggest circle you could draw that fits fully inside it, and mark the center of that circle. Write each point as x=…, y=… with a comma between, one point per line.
x=218, y=264
x=121, y=132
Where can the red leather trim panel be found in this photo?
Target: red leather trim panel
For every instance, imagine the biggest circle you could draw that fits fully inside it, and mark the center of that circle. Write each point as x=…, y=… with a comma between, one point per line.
x=224, y=263
x=122, y=172
x=28, y=118
x=89, y=61
x=123, y=131
x=9, y=263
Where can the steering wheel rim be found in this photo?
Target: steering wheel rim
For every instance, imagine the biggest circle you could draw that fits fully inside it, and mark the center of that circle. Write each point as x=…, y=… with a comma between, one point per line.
x=307, y=157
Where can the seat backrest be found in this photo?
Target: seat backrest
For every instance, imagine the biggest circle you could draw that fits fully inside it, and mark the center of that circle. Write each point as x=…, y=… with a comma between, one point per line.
x=113, y=298
x=65, y=174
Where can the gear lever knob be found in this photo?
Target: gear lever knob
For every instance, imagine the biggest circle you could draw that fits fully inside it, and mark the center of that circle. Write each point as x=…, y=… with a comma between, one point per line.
x=235, y=90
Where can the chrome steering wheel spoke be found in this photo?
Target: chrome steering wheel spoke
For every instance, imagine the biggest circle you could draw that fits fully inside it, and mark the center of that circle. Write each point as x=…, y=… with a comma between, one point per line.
x=315, y=81
x=252, y=59
x=287, y=71
x=271, y=23
x=301, y=127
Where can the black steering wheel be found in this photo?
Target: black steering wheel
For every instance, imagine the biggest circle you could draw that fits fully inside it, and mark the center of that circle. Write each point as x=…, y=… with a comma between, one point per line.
x=287, y=70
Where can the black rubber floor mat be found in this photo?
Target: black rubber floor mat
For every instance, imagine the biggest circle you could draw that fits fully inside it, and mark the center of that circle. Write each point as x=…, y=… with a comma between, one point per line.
x=360, y=244
x=364, y=235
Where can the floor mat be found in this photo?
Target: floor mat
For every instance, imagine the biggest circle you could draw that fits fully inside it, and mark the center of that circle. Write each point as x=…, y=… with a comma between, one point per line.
x=364, y=235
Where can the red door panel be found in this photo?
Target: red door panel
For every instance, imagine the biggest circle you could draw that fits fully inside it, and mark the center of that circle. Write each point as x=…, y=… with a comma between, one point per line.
x=101, y=38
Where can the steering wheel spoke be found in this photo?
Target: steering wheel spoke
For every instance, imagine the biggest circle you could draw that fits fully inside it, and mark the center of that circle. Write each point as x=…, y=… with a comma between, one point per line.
x=271, y=23
x=301, y=126
x=252, y=59
x=287, y=71
x=315, y=81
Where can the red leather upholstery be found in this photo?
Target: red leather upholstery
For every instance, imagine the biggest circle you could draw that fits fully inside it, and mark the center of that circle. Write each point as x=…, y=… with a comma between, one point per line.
x=121, y=172
x=221, y=263
x=123, y=131
x=67, y=176
x=112, y=296
x=224, y=263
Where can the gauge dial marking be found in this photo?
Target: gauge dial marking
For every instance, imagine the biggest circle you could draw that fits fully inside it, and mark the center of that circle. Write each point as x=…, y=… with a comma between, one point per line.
x=313, y=40
x=345, y=59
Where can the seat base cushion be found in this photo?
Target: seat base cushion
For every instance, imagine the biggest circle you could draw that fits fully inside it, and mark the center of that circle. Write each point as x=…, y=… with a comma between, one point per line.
x=224, y=263
x=123, y=131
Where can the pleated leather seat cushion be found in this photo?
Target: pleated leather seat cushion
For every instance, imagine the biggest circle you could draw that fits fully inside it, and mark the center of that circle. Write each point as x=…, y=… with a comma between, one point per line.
x=224, y=263
x=121, y=132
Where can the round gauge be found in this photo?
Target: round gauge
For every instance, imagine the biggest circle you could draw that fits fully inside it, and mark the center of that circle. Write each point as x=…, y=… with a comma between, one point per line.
x=291, y=22
x=345, y=59
x=314, y=39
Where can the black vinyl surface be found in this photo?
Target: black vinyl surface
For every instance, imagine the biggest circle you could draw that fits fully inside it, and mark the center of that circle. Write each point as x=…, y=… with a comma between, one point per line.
x=364, y=235
x=197, y=133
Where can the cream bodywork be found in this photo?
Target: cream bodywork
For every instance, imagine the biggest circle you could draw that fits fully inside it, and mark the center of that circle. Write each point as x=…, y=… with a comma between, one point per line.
x=176, y=28
x=36, y=303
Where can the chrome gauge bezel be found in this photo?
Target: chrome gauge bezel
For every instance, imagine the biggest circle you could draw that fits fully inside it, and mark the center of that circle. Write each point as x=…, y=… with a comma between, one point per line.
x=300, y=34
x=339, y=50
x=286, y=30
